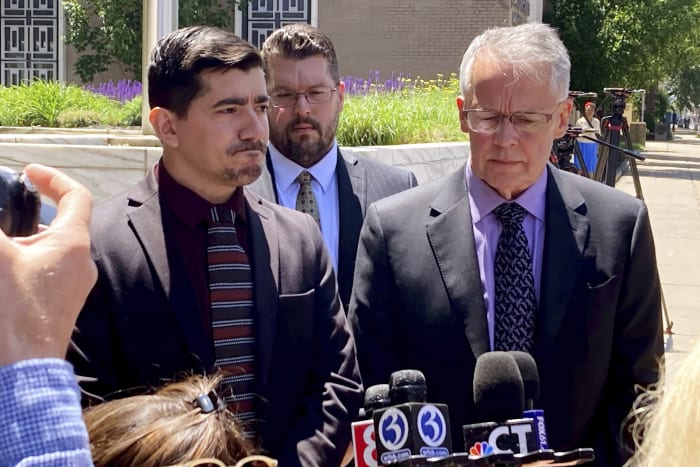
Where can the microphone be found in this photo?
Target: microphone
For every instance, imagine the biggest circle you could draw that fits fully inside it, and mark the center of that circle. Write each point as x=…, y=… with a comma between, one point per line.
x=499, y=400
x=411, y=426
x=531, y=384
x=363, y=436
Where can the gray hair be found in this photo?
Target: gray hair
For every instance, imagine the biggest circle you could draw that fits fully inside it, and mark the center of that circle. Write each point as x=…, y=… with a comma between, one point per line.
x=530, y=49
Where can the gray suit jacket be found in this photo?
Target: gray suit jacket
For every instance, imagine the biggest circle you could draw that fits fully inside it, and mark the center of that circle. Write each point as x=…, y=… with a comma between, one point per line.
x=418, y=303
x=361, y=181
x=142, y=324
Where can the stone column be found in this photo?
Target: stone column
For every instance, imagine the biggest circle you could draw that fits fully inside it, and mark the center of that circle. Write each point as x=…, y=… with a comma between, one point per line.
x=159, y=19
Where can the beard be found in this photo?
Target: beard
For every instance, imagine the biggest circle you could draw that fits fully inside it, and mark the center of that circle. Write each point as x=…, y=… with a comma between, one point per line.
x=308, y=149
x=247, y=173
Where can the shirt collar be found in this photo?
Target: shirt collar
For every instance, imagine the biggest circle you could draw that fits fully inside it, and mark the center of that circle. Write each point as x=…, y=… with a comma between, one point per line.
x=187, y=205
x=286, y=170
x=483, y=199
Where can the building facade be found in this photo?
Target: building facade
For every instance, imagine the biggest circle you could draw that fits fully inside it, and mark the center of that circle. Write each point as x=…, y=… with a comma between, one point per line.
x=413, y=37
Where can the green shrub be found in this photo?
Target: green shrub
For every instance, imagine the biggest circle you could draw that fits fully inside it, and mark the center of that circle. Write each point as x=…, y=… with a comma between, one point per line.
x=76, y=118
x=422, y=112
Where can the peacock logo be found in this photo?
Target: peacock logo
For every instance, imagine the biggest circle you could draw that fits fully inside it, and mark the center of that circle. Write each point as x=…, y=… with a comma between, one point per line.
x=481, y=449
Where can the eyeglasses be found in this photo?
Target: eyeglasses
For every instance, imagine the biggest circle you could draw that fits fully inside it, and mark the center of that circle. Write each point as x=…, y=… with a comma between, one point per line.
x=317, y=95
x=254, y=460
x=488, y=122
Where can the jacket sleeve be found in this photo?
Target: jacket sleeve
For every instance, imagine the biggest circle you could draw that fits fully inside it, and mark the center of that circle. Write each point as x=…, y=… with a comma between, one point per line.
x=334, y=391
x=371, y=304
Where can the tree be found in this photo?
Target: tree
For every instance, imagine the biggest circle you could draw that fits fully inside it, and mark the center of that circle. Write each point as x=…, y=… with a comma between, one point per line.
x=106, y=32
x=628, y=43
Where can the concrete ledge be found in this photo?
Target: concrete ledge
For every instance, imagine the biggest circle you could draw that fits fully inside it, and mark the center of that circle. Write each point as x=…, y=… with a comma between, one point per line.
x=107, y=169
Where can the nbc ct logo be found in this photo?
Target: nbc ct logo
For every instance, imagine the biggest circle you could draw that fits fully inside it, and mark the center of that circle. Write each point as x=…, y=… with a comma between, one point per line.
x=393, y=429
x=431, y=426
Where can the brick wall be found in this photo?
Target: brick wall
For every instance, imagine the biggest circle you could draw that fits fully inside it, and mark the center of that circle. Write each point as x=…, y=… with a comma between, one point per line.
x=420, y=37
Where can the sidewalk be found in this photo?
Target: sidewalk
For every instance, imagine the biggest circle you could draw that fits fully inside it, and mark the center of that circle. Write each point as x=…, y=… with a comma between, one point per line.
x=670, y=178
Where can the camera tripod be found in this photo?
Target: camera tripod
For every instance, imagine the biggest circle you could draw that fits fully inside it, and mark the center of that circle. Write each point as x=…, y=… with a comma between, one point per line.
x=610, y=154
x=567, y=146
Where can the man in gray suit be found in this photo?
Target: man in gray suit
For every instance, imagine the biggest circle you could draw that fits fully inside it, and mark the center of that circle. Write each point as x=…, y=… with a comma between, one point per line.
x=579, y=291
x=165, y=304
x=301, y=69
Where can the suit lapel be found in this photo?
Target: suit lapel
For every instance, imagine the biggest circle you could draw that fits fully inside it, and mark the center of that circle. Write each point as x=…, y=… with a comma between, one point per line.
x=150, y=225
x=264, y=237
x=452, y=239
x=352, y=195
x=264, y=185
x=566, y=231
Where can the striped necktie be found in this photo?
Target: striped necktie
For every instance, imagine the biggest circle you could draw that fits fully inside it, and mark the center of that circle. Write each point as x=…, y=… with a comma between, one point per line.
x=306, y=201
x=231, y=294
x=515, y=285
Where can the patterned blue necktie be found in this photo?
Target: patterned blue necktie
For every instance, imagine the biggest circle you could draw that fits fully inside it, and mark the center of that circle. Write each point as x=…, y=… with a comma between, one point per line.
x=515, y=286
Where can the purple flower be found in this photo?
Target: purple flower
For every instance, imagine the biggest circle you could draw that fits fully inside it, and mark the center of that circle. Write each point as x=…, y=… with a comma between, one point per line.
x=123, y=91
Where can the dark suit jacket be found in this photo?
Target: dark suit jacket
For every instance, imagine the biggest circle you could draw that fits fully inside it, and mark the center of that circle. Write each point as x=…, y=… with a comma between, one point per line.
x=142, y=325
x=418, y=303
x=361, y=181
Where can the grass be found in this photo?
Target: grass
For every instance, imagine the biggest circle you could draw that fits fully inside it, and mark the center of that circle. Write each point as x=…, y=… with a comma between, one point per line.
x=421, y=112
x=53, y=104
x=400, y=111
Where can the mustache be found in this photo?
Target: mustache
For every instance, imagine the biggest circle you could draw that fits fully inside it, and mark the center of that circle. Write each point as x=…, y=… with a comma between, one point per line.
x=307, y=120
x=248, y=146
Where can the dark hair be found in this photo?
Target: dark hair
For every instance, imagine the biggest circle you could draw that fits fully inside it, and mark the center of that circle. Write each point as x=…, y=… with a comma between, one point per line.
x=298, y=41
x=178, y=60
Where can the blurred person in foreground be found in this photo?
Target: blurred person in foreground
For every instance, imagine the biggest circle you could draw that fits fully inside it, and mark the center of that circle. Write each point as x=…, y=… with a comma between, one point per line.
x=197, y=273
x=666, y=419
x=509, y=253
x=180, y=423
x=44, y=279
x=306, y=94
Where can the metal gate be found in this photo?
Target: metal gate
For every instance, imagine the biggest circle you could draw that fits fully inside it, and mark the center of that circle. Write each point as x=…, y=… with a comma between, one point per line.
x=260, y=17
x=29, y=40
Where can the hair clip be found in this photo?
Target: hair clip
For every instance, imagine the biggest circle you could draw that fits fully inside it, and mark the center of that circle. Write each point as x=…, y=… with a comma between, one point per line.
x=209, y=402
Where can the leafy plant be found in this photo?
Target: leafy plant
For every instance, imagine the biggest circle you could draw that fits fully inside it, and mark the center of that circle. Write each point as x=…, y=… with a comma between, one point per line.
x=106, y=32
x=399, y=111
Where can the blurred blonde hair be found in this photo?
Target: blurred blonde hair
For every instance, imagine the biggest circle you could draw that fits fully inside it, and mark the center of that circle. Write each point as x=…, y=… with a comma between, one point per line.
x=164, y=428
x=668, y=417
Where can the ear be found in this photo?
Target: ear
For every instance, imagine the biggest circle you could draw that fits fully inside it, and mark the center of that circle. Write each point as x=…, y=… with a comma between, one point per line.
x=164, y=123
x=462, y=117
x=341, y=95
x=563, y=119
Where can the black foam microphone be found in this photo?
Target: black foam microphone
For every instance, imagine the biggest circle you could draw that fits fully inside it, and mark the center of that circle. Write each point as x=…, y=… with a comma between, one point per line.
x=411, y=426
x=499, y=401
x=531, y=383
x=363, y=435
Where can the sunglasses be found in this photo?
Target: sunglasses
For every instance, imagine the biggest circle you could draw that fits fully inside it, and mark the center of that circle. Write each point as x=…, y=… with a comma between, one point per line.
x=251, y=461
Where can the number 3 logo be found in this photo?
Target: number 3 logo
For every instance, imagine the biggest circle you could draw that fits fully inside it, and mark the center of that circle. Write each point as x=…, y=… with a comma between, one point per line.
x=431, y=425
x=393, y=422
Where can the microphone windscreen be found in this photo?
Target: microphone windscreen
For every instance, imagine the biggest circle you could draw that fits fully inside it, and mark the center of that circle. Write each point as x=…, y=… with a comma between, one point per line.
x=407, y=386
x=528, y=372
x=376, y=397
x=498, y=388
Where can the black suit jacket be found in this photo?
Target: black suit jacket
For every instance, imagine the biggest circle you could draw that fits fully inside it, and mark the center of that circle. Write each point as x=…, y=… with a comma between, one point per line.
x=142, y=326
x=361, y=181
x=418, y=303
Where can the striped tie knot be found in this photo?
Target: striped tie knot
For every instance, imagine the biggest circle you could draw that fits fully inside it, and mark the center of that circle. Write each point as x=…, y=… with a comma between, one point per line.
x=220, y=214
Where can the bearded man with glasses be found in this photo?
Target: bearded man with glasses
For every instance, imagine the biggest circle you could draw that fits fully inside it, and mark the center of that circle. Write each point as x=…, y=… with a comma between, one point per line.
x=509, y=253
x=305, y=169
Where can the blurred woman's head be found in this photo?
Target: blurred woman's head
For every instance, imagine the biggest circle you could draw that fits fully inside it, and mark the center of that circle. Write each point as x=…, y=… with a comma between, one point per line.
x=178, y=423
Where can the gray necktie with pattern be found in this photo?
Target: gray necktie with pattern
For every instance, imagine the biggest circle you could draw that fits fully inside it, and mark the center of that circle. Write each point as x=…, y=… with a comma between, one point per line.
x=306, y=201
x=515, y=285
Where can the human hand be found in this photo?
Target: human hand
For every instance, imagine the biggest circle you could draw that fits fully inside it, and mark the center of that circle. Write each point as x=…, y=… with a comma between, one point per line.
x=45, y=278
